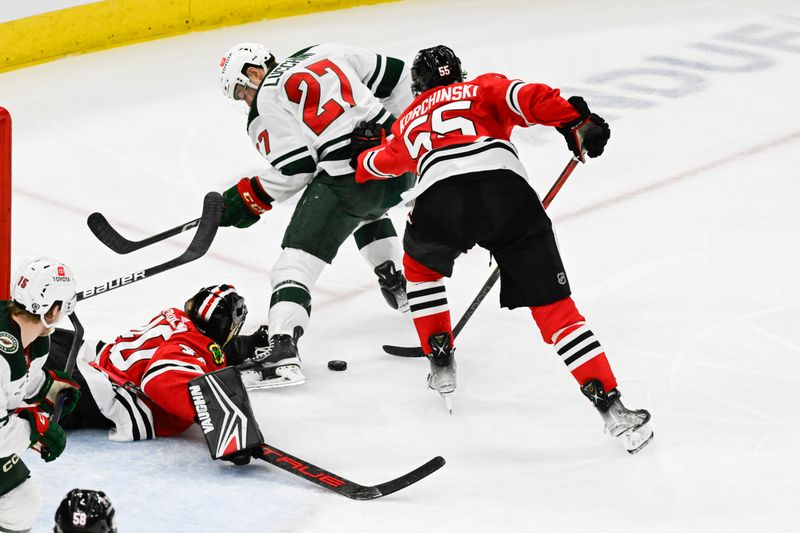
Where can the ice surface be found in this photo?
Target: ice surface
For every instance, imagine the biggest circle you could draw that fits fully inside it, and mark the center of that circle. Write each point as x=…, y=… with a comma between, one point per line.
x=680, y=242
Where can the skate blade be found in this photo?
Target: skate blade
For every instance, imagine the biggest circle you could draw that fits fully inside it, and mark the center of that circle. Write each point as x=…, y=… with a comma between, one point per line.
x=448, y=401
x=285, y=376
x=635, y=440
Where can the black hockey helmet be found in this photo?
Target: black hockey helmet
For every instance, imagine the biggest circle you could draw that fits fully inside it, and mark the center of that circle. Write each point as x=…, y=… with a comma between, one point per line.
x=85, y=511
x=218, y=312
x=433, y=67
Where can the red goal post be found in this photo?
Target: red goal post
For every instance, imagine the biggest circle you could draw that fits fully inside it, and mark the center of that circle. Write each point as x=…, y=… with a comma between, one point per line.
x=5, y=204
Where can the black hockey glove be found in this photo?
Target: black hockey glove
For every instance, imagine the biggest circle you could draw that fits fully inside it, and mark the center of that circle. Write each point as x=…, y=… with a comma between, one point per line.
x=589, y=132
x=243, y=347
x=365, y=136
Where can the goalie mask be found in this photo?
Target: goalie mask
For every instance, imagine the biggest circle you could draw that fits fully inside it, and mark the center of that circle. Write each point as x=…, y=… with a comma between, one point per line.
x=434, y=67
x=233, y=64
x=41, y=283
x=218, y=312
x=85, y=511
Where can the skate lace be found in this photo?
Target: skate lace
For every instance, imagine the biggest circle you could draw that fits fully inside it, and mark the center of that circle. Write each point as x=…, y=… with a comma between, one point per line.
x=262, y=352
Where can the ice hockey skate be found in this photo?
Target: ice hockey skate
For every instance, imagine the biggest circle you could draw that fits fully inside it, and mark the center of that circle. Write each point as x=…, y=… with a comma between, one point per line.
x=393, y=286
x=442, y=377
x=274, y=365
x=631, y=426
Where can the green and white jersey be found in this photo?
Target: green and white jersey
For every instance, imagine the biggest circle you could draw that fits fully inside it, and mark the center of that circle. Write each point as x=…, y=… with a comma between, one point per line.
x=308, y=105
x=21, y=377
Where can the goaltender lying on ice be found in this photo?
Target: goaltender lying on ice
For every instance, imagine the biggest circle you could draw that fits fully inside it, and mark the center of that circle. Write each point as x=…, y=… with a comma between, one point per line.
x=183, y=366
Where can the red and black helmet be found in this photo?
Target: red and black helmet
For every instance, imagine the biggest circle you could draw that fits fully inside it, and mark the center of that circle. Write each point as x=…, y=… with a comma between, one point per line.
x=85, y=511
x=218, y=312
x=434, y=67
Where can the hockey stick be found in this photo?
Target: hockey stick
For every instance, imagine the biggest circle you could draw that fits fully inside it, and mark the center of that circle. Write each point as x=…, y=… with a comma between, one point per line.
x=103, y=230
x=340, y=485
x=203, y=237
x=72, y=359
x=231, y=431
x=403, y=351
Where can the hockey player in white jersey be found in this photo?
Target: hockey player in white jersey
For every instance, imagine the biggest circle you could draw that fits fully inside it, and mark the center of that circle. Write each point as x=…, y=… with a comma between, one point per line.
x=302, y=113
x=43, y=290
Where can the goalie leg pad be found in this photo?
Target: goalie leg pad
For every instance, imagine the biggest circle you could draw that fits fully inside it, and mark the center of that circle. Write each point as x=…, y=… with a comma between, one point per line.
x=224, y=414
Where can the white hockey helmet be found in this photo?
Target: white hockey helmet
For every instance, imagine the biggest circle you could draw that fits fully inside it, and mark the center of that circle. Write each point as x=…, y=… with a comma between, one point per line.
x=233, y=63
x=41, y=282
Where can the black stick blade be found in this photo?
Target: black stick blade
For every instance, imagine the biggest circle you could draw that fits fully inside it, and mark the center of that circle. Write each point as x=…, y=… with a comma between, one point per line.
x=412, y=477
x=403, y=351
x=105, y=233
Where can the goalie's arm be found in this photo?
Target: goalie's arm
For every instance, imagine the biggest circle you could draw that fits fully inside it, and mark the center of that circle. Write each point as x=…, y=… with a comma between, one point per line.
x=165, y=381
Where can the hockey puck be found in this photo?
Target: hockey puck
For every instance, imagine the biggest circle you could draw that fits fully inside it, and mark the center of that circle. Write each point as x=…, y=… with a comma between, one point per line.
x=337, y=365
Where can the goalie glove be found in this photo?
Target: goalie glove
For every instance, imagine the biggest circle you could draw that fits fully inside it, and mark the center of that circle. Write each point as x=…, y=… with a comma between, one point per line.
x=47, y=437
x=56, y=382
x=589, y=133
x=245, y=202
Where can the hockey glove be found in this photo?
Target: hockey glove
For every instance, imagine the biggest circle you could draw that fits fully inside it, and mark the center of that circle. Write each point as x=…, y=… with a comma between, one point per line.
x=245, y=202
x=45, y=433
x=588, y=133
x=56, y=382
x=365, y=136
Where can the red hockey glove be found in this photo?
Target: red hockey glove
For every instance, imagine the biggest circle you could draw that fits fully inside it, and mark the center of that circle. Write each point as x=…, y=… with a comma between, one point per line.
x=49, y=436
x=56, y=382
x=245, y=202
x=588, y=133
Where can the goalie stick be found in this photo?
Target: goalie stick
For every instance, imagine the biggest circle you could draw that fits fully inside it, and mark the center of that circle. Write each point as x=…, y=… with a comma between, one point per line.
x=340, y=485
x=207, y=226
x=409, y=351
x=231, y=432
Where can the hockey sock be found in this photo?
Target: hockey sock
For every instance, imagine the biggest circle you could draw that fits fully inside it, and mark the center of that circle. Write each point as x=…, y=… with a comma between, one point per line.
x=427, y=300
x=293, y=278
x=377, y=241
x=563, y=326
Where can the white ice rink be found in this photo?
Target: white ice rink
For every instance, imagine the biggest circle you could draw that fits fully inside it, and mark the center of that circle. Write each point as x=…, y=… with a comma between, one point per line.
x=681, y=243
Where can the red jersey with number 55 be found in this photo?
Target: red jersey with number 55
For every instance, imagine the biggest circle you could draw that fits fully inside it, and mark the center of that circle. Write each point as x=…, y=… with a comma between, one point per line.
x=161, y=358
x=461, y=128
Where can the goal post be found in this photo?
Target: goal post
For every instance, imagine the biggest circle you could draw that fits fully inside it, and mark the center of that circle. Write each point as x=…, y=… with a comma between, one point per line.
x=5, y=204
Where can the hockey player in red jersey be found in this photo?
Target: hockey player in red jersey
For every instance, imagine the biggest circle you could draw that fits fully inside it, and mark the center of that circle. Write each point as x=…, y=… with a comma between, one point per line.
x=137, y=385
x=472, y=189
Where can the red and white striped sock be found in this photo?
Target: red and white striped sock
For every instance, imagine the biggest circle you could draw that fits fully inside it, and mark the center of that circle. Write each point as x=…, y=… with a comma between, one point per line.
x=563, y=326
x=427, y=302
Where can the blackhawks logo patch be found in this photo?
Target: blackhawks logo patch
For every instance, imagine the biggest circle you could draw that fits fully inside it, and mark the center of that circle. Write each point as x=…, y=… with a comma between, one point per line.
x=216, y=351
x=8, y=343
